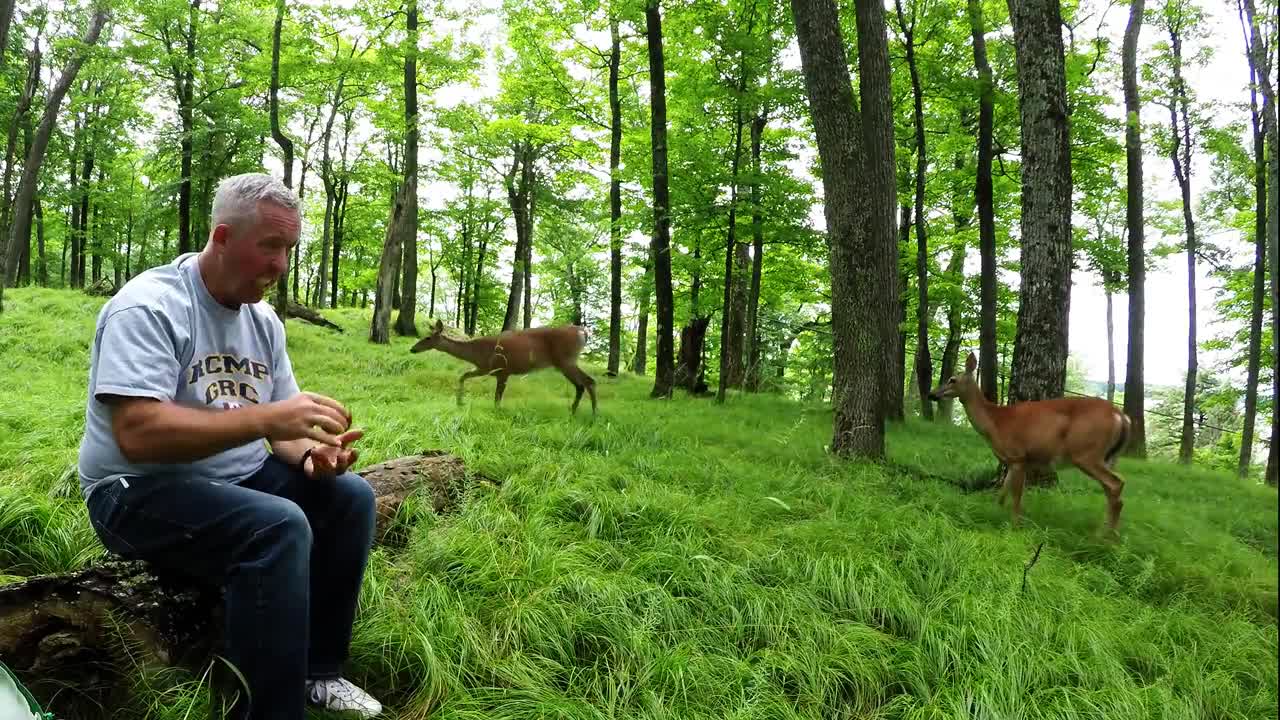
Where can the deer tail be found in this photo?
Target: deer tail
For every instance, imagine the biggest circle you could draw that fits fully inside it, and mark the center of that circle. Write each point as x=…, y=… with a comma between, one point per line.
x=1123, y=429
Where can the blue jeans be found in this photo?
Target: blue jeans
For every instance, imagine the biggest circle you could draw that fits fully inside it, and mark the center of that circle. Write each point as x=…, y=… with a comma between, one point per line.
x=288, y=551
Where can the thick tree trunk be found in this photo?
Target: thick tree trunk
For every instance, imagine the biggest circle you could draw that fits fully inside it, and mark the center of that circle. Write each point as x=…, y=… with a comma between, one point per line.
x=405, y=323
x=660, y=250
x=1040, y=345
x=689, y=368
x=615, y=201
x=857, y=271
x=60, y=629
x=21, y=227
x=1134, y=379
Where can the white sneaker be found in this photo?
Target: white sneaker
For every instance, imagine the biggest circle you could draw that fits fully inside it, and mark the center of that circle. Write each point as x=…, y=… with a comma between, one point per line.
x=340, y=694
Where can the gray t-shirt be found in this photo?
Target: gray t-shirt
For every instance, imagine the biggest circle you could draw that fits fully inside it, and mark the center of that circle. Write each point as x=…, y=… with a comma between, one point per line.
x=163, y=336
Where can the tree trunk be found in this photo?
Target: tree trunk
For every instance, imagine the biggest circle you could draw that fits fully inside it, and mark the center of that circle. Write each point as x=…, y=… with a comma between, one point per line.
x=1040, y=345
x=640, y=360
x=899, y=384
x=21, y=227
x=924, y=363
x=20, y=119
x=1134, y=379
x=519, y=183
x=753, y=339
x=729, y=344
x=955, y=333
x=1271, y=128
x=1109, y=281
x=6, y=19
x=185, y=80
x=660, y=249
x=689, y=368
x=391, y=248
x=615, y=201
x=405, y=323
x=42, y=268
x=857, y=391
x=988, y=366
x=286, y=146
x=1259, y=299
x=339, y=222
x=1181, y=154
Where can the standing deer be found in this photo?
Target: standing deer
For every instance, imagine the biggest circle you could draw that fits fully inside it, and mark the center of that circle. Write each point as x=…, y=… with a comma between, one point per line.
x=517, y=352
x=1087, y=432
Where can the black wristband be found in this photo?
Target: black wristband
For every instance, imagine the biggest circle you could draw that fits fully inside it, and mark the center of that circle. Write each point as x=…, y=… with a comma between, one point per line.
x=302, y=464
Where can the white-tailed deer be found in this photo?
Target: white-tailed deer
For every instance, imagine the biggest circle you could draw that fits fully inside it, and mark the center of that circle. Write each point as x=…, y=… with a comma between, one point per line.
x=1087, y=432
x=517, y=352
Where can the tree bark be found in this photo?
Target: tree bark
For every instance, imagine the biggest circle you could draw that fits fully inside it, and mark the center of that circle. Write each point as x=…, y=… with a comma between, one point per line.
x=1134, y=381
x=60, y=629
x=660, y=250
x=21, y=227
x=1109, y=281
x=898, y=390
x=1259, y=261
x=955, y=333
x=988, y=366
x=615, y=201
x=1040, y=345
x=731, y=337
x=185, y=80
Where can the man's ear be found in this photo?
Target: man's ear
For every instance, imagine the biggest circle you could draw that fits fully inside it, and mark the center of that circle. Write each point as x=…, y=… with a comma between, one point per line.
x=220, y=234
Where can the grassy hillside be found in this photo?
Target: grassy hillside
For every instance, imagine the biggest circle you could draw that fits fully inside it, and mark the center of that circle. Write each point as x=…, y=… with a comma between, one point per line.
x=682, y=560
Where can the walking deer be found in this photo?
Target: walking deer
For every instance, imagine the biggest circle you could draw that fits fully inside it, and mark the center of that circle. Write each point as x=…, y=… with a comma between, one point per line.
x=517, y=352
x=1087, y=432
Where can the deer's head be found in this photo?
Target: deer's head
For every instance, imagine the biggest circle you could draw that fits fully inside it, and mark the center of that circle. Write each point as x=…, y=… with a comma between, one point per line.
x=959, y=384
x=431, y=341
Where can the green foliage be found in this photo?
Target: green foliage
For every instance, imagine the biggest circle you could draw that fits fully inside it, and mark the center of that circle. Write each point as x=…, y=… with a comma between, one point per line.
x=677, y=559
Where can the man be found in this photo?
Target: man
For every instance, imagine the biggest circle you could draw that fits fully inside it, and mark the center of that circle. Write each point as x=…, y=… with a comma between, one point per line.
x=188, y=377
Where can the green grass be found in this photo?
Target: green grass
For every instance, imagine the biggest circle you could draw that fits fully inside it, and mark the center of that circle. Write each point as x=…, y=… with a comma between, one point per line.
x=677, y=559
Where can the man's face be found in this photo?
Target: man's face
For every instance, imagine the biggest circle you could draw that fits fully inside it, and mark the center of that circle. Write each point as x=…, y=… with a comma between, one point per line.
x=257, y=254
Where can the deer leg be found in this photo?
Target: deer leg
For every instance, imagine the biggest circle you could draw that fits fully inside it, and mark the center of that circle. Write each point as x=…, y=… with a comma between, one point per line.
x=500, y=388
x=1112, y=484
x=1014, y=480
x=462, y=380
x=581, y=382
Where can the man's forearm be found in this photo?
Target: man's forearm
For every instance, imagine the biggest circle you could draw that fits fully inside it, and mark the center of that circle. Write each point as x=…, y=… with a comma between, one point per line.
x=165, y=432
x=290, y=451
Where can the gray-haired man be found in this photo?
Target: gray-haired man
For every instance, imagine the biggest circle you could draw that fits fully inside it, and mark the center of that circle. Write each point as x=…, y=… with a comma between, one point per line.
x=188, y=377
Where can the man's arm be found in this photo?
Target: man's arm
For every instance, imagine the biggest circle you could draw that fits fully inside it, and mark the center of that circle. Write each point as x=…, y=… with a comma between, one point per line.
x=149, y=430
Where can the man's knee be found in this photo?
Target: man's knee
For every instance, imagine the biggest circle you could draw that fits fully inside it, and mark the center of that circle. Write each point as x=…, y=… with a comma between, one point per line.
x=280, y=522
x=355, y=493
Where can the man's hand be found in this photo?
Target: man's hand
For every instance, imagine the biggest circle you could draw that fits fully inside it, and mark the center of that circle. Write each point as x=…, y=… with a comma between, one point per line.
x=327, y=462
x=308, y=415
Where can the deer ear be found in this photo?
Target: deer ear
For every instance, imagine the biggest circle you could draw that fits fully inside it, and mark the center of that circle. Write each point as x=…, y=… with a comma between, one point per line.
x=970, y=363
x=439, y=326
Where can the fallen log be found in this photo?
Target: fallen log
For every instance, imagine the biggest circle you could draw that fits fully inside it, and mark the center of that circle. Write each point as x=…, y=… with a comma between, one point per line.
x=303, y=312
x=85, y=629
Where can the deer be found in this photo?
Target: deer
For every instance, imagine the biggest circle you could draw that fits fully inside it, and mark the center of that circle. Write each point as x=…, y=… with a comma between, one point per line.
x=517, y=352
x=1088, y=432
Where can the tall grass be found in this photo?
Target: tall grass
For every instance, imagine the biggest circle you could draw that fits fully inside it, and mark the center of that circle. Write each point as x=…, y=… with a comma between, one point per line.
x=678, y=559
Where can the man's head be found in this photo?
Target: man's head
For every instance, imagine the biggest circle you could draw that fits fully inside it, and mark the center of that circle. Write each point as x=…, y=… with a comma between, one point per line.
x=959, y=384
x=431, y=341
x=255, y=224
